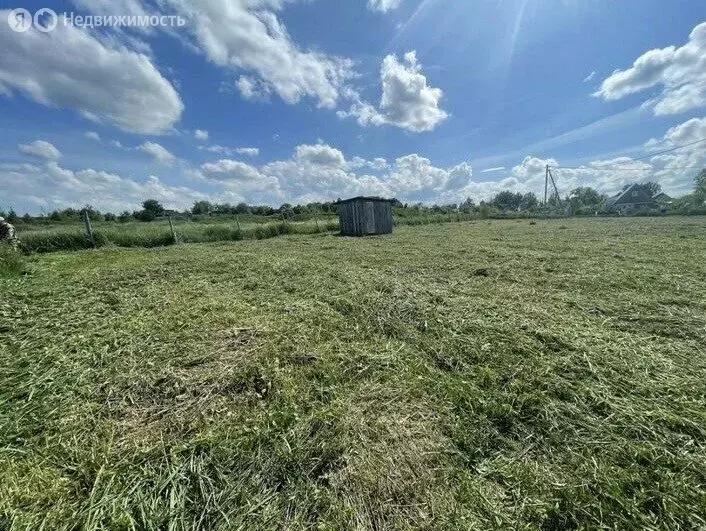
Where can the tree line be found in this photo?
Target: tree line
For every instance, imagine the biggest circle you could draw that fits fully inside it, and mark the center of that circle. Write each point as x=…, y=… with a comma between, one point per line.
x=580, y=201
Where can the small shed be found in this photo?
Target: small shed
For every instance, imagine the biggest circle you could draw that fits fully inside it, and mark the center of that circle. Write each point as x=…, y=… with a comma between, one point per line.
x=364, y=216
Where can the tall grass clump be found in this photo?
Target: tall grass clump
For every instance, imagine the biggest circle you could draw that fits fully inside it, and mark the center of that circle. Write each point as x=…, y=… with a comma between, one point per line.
x=11, y=262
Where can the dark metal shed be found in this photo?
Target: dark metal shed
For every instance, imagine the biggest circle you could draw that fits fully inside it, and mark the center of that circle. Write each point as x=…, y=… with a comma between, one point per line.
x=363, y=216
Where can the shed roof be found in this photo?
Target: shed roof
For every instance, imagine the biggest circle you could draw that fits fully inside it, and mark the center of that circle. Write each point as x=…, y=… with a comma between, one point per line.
x=364, y=198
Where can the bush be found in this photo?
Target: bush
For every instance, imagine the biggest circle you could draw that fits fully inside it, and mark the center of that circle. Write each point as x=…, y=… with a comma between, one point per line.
x=11, y=262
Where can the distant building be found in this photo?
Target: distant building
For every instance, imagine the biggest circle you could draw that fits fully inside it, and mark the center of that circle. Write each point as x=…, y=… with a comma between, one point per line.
x=364, y=216
x=634, y=197
x=663, y=199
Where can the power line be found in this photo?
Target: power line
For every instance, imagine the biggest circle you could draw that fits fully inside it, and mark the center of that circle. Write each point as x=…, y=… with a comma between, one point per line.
x=651, y=155
x=626, y=169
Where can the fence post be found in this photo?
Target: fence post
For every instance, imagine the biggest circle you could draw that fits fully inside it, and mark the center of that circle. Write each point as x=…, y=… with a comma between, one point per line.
x=89, y=229
x=237, y=222
x=316, y=218
x=171, y=227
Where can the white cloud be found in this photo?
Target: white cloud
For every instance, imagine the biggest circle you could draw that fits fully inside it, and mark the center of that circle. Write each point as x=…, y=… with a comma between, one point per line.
x=252, y=89
x=407, y=100
x=158, y=152
x=589, y=77
x=69, y=68
x=680, y=71
x=41, y=149
x=200, y=134
x=676, y=170
x=378, y=163
x=55, y=187
x=493, y=170
x=92, y=135
x=223, y=150
x=116, y=143
x=248, y=36
x=383, y=5
x=248, y=151
x=320, y=154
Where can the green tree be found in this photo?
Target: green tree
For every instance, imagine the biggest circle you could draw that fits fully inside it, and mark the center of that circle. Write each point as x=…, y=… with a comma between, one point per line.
x=201, y=208
x=529, y=201
x=585, y=196
x=153, y=206
x=700, y=189
x=507, y=200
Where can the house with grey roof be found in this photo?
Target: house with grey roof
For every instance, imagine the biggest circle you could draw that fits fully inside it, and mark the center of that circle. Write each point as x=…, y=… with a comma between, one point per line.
x=634, y=197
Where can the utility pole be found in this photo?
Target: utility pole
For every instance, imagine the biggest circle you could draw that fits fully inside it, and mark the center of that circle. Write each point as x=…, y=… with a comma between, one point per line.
x=546, y=184
x=547, y=177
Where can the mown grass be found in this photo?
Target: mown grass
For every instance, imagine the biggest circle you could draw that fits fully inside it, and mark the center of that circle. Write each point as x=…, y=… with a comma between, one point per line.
x=463, y=376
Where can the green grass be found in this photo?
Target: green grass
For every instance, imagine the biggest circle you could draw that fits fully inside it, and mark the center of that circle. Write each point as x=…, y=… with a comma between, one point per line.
x=73, y=237
x=319, y=382
x=11, y=262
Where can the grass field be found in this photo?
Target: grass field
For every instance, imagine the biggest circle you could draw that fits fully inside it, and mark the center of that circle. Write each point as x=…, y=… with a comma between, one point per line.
x=52, y=237
x=483, y=375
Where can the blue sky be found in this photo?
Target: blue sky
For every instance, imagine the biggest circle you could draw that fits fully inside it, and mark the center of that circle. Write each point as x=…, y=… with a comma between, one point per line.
x=300, y=100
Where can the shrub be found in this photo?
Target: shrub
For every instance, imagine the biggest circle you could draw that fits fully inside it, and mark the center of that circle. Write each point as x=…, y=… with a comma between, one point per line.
x=11, y=262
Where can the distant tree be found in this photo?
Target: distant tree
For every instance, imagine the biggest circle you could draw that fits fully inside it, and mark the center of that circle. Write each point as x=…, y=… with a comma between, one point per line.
x=12, y=216
x=201, y=208
x=125, y=217
x=27, y=218
x=242, y=208
x=507, y=200
x=55, y=216
x=93, y=214
x=144, y=215
x=700, y=188
x=110, y=217
x=467, y=206
x=585, y=196
x=529, y=201
x=286, y=210
x=153, y=206
x=652, y=187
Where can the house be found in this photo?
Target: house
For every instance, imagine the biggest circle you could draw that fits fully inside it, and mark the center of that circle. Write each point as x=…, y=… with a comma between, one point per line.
x=663, y=199
x=634, y=197
x=363, y=216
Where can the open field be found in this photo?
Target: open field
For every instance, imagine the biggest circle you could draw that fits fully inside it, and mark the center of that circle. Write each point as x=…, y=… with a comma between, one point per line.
x=326, y=383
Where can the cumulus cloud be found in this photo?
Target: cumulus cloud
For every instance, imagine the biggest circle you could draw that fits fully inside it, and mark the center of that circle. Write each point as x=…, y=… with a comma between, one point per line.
x=52, y=186
x=249, y=36
x=320, y=154
x=158, y=152
x=378, y=163
x=383, y=5
x=92, y=135
x=676, y=170
x=41, y=149
x=69, y=68
x=200, y=134
x=407, y=100
x=681, y=72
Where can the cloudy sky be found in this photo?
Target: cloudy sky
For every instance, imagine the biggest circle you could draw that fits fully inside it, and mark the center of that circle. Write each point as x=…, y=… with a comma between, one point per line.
x=273, y=101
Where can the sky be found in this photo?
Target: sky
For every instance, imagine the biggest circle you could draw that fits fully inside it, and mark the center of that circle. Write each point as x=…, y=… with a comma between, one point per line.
x=293, y=101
